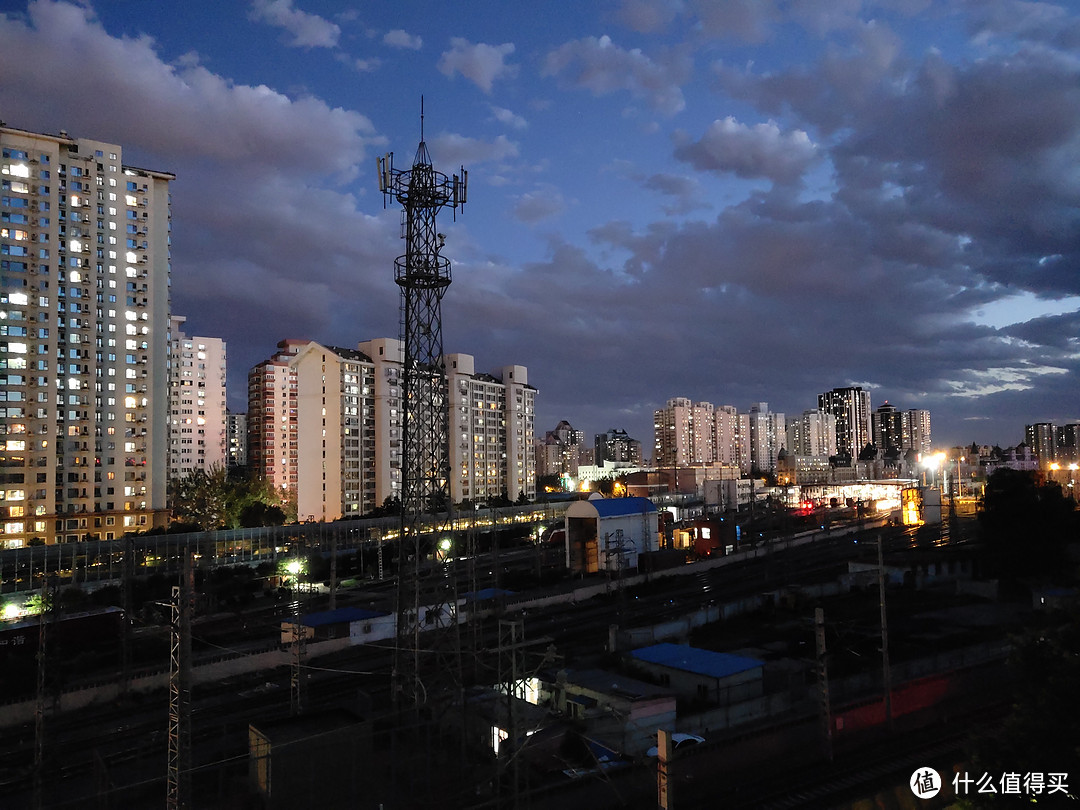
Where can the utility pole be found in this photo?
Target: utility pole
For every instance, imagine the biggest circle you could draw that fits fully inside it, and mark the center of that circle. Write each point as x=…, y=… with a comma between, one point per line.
x=823, y=681
x=333, y=568
x=45, y=615
x=886, y=673
x=179, y=762
x=128, y=605
x=296, y=675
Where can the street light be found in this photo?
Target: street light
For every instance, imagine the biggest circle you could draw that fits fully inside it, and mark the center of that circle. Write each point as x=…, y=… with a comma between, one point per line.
x=934, y=463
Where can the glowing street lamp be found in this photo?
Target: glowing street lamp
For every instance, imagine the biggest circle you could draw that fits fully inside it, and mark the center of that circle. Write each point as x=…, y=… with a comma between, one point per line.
x=933, y=463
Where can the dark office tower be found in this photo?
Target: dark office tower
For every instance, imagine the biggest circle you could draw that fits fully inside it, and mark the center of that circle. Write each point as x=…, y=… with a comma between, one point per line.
x=1042, y=439
x=1067, y=443
x=887, y=427
x=851, y=407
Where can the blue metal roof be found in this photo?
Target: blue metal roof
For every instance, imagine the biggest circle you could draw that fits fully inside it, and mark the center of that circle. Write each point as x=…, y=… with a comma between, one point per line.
x=698, y=661
x=340, y=616
x=616, y=507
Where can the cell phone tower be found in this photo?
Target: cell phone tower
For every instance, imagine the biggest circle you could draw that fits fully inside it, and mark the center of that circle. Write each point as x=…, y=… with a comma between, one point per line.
x=426, y=607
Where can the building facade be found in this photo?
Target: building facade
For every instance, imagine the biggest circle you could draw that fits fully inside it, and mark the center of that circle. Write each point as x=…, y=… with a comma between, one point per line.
x=197, y=419
x=732, y=437
x=916, y=431
x=685, y=433
x=617, y=446
x=336, y=457
x=84, y=291
x=559, y=452
x=851, y=407
x=272, y=419
x=236, y=439
x=492, y=430
x=1042, y=438
x=332, y=425
x=767, y=436
x=812, y=434
x=887, y=427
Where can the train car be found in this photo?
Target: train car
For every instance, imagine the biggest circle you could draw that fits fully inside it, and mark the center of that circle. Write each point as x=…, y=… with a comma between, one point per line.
x=70, y=633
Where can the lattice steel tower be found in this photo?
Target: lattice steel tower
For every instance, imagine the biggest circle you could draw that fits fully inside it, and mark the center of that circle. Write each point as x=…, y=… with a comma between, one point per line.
x=426, y=604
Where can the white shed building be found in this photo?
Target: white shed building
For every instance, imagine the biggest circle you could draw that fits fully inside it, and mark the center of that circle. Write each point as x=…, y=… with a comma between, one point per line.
x=608, y=534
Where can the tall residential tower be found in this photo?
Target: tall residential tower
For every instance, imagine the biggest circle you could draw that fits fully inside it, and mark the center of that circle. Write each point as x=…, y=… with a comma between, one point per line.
x=84, y=292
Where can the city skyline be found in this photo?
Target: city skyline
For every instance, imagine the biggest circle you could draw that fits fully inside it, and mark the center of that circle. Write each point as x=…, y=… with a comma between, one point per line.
x=733, y=203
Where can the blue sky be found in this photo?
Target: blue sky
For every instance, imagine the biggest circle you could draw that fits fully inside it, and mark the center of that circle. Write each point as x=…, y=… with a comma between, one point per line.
x=731, y=201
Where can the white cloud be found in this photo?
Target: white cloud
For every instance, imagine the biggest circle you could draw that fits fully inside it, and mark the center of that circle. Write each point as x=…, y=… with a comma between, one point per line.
x=511, y=119
x=402, y=39
x=367, y=65
x=308, y=30
x=454, y=148
x=597, y=64
x=758, y=151
x=997, y=380
x=480, y=63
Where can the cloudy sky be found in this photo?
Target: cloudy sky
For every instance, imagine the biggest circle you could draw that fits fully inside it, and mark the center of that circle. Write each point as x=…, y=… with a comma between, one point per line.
x=731, y=201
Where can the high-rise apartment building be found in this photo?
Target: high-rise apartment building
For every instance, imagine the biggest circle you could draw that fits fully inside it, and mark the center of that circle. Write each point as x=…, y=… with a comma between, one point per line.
x=1042, y=438
x=236, y=439
x=271, y=420
x=84, y=292
x=732, y=437
x=767, y=436
x=915, y=430
x=685, y=433
x=617, y=446
x=335, y=456
x=887, y=427
x=331, y=420
x=560, y=451
x=851, y=407
x=197, y=421
x=492, y=432
x=812, y=434
x=1067, y=447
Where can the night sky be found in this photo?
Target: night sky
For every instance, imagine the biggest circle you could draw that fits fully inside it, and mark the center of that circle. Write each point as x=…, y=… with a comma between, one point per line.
x=730, y=201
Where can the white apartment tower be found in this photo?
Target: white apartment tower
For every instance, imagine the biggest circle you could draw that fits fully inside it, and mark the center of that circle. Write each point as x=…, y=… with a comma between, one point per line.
x=331, y=419
x=732, y=437
x=197, y=418
x=767, y=436
x=336, y=458
x=492, y=432
x=84, y=297
x=384, y=424
x=812, y=434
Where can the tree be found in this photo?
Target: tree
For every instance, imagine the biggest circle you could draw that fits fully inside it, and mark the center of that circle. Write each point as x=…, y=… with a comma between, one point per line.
x=212, y=499
x=1038, y=735
x=1025, y=525
x=201, y=497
